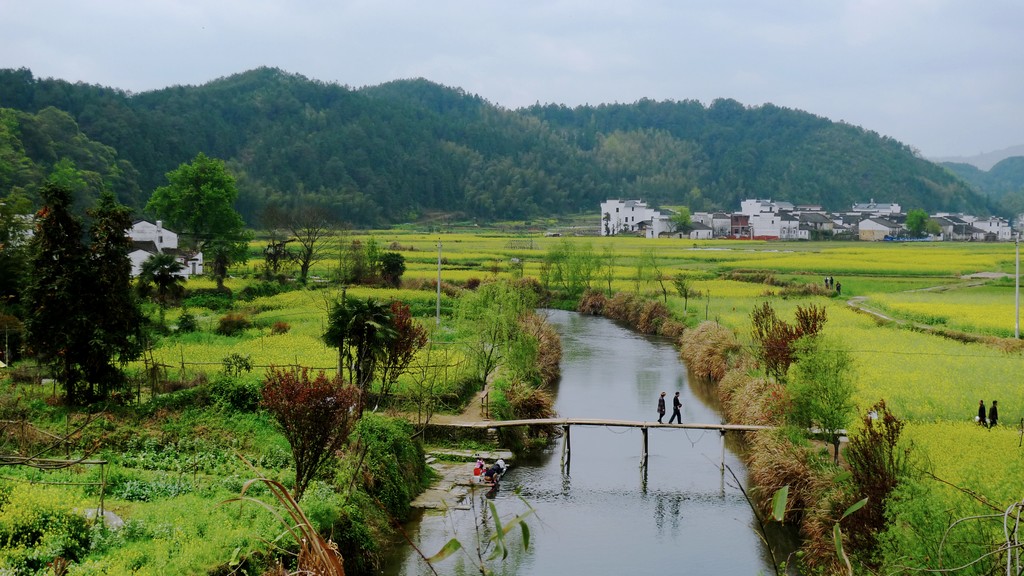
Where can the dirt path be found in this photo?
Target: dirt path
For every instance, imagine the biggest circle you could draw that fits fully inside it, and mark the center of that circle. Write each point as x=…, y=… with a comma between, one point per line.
x=859, y=303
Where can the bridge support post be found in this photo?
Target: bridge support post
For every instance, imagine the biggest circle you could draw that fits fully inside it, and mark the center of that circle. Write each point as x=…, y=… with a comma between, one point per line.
x=722, y=468
x=566, y=446
x=643, y=455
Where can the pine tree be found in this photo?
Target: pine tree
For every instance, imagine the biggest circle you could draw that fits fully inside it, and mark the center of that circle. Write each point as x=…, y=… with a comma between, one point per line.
x=82, y=314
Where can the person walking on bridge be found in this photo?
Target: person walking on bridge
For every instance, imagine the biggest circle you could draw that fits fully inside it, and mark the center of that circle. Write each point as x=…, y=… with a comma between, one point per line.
x=676, y=405
x=661, y=408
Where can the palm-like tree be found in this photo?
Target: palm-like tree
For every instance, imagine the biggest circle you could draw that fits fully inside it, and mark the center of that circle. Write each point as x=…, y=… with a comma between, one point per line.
x=159, y=280
x=362, y=331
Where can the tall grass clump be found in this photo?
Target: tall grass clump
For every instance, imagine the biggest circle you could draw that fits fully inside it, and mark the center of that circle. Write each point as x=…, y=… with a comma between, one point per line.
x=643, y=315
x=709, y=350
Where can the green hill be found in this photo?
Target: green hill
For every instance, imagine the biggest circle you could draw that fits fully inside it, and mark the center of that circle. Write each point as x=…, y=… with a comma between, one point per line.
x=392, y=152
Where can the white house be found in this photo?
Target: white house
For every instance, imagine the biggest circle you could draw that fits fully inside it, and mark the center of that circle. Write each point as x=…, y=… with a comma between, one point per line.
x=618, y=216
x=874, y=229
x=718, y=222
x=997, y=227
x=149, y=239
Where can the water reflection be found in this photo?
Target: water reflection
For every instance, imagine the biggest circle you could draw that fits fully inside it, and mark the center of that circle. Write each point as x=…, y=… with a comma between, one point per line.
x=607, y=515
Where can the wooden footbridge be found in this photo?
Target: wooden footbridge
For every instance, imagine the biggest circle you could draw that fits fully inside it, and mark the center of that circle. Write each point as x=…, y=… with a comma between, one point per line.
x=567, y=423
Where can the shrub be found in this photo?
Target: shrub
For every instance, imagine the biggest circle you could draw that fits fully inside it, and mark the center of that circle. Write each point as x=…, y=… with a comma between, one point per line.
x=211, y=299
x=280, y=328
x=592, y=303
x=878, y=464
x=235, y=364
x=395, y=466
x=472, y=283
x=36, y=527
x=672, y=328
x=232, y=324
x=624, y=307
x=315, y=416
x=262, y=289
x=187, y=322
x=236, y=393
x=652, y=314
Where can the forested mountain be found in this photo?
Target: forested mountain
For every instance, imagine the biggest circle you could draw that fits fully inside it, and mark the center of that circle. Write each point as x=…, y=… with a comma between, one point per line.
x=1003, y=184
x=392, y=152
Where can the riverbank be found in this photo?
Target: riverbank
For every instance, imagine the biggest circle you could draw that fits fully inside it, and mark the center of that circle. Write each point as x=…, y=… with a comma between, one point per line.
x=455, y=480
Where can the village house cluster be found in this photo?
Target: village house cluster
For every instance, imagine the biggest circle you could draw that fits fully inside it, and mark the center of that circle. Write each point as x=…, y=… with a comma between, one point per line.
x=772, y=220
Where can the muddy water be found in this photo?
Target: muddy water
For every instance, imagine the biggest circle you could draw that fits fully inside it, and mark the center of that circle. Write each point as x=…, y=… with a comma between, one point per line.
x=603, y=515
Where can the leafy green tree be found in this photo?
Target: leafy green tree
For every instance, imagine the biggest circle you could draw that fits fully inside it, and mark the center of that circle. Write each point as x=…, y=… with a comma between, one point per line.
x=199, y=201
x=821, y=385
x=160, y=280
x=646, y=269
x=683, y=288
x=492, y=313
x=392, y=266
x=571, y=266
x=682, y=220
x=917, y=219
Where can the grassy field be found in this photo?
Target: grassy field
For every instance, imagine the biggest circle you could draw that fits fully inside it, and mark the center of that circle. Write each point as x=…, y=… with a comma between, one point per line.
x=932, y=381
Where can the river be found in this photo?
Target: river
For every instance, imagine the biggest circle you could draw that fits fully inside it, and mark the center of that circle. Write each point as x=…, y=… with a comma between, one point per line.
x=604, y=516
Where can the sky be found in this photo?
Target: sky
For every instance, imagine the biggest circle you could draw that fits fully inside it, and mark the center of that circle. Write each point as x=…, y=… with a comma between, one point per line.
x=943, y=76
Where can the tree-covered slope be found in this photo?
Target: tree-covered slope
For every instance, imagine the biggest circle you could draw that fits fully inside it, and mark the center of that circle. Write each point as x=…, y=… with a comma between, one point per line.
x=391, y=152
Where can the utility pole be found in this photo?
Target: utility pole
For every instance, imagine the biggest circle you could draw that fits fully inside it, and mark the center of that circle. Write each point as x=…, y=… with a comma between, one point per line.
x=439, y=282
x=1016, y=288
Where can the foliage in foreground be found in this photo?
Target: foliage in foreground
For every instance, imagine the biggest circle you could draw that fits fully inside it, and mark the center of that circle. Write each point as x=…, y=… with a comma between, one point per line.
x=315, y=415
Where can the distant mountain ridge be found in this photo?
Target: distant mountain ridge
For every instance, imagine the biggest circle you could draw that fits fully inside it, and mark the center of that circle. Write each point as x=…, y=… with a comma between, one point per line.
x=985, y=161
x=392, y=152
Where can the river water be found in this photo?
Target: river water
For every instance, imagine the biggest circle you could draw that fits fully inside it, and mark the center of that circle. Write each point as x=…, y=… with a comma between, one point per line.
x=604, y=516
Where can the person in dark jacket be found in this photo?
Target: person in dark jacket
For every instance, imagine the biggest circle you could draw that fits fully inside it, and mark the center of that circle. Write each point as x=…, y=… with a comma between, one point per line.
x=676, y=405
x=981, y=412
x=993, y=415
x=661, y=408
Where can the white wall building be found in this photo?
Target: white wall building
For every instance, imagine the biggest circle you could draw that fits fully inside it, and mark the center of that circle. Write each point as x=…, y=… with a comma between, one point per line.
x=149, y=239
x=629, y=216
x=1000, y=227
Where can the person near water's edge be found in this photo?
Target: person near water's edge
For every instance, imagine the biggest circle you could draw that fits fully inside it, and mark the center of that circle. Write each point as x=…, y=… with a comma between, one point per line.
x=676, y=405
x=661, y=408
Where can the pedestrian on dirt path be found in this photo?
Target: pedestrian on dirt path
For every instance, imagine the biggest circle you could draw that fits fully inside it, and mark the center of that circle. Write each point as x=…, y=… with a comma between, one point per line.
x=661, y=408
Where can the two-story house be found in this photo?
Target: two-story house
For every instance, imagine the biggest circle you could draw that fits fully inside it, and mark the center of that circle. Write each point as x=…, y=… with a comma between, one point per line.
x=149, y=239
